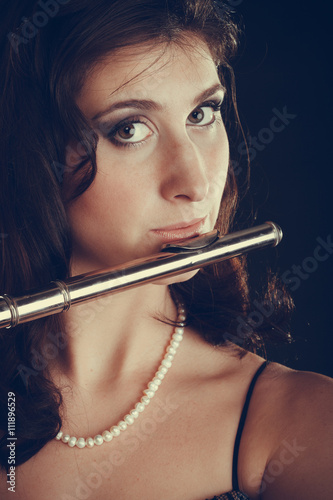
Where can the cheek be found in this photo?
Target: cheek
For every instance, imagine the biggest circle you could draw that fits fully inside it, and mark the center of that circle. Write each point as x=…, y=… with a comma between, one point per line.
x=105, y=227
x=110, y=214
x=218, y=163
x=108, y=202
x=119, y=191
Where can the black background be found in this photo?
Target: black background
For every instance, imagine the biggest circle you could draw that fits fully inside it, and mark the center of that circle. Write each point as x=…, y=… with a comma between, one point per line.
x=285, y=61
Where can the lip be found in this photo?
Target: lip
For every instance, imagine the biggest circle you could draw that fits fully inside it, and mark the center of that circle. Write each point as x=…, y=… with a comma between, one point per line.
x=180, y=231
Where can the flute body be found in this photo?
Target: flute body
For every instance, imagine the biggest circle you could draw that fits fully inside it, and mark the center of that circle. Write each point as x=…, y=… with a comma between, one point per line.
x=174, y=259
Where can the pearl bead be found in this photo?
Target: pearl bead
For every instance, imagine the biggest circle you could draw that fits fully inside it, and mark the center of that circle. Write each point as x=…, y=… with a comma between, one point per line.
x=148, y=394
x=81, y=443
x=177, y=337
x=90, y=443
x=98, y=440
x=145, y=400
x=107, y=436
x=115, y=431
x=122, y=425
x=129, y=419
x=72, y=442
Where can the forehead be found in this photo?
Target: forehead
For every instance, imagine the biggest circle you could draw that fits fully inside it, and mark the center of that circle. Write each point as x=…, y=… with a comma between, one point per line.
x=147, y=71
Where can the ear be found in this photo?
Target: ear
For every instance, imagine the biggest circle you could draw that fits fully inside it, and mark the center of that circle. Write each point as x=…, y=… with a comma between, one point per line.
x=74, y=153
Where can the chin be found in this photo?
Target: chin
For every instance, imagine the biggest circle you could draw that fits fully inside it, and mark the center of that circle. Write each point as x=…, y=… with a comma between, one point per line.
x=176, y=279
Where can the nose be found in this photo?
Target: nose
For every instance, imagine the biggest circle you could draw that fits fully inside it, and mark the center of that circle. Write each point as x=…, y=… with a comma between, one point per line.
x=184, y=172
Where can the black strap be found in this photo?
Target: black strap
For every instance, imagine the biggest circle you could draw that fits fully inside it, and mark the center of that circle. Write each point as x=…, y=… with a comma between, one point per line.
x=241, y=424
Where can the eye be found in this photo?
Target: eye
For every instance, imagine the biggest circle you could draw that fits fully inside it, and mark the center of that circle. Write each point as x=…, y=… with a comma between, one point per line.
x=129, y=132
x=205, y=114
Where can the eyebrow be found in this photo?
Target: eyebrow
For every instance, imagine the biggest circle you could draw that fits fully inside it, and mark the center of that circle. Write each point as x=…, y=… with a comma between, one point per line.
x=147, y=104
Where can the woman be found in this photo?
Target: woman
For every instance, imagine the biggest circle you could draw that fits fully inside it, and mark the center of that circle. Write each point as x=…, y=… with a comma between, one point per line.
x=113, y=143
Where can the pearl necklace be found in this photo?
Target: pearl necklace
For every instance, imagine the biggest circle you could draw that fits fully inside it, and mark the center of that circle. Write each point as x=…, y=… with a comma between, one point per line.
x=148, y=394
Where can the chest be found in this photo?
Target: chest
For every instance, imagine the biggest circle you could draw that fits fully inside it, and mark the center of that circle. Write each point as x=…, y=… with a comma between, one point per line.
x=180, y=450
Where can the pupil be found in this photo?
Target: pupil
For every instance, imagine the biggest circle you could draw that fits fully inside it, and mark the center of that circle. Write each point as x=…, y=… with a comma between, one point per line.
x=127, y=132
x=198, y=115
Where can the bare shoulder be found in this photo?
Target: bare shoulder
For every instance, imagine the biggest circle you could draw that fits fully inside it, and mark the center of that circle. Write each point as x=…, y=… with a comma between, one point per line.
x=294, y=402
x=295, y=382
x=301, y=398
x=295, y=414
x=286, y=447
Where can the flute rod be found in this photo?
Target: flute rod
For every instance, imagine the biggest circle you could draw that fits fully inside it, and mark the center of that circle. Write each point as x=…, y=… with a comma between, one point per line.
x=174, y=259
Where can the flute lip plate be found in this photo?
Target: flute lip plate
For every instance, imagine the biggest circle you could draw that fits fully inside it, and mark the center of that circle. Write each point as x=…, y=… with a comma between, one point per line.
x=191, y=244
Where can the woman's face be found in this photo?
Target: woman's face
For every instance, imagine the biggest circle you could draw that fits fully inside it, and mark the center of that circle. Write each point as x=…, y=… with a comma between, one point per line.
x=162, y=155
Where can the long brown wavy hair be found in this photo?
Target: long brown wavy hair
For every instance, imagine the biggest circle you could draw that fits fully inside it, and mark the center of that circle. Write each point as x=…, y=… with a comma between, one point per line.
x=45, y=55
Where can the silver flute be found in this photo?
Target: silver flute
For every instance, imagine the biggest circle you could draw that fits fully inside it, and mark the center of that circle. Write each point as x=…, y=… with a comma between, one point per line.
x=175, y=258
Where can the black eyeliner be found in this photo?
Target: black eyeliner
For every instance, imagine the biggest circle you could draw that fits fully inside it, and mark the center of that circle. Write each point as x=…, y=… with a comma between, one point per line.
x=110, y=135
x=111, y=132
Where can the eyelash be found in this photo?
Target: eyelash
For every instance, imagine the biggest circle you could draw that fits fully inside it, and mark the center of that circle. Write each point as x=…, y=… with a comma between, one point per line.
x=215, y=105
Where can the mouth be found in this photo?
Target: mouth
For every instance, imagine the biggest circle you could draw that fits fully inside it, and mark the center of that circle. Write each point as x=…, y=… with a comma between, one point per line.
x=180, y=231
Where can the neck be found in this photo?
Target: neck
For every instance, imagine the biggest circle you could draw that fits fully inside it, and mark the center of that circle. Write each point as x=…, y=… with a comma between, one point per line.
x=114, y=337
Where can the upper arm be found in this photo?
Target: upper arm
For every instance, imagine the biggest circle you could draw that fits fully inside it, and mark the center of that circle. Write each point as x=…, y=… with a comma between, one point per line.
x=301, y=464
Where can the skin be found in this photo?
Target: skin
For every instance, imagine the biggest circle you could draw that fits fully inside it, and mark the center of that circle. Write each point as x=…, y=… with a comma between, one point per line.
x=175, y=173
x=174, y=165
x=114, y=345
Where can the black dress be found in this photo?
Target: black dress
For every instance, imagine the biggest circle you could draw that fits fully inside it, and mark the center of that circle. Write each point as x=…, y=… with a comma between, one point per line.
x=235, y=494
